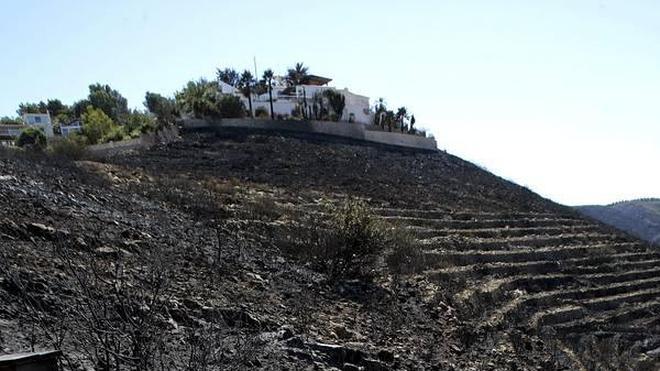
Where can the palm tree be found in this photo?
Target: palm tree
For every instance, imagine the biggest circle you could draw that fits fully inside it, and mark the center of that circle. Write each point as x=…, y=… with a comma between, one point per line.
x=297, y=75
x=229, y=76
x=401, y=115
x=246, y=88
x=268, y=78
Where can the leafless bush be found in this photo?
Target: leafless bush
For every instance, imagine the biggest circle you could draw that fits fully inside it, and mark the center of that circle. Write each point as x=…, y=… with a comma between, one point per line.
x=116, y=318
x=263, y=208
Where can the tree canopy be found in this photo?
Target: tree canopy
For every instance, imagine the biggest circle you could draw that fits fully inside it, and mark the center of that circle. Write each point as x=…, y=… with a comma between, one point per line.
x=229, y=76
x=163, y=108
x=108, y=100
x=96, y=124
x=297, y=75
x=199, y=98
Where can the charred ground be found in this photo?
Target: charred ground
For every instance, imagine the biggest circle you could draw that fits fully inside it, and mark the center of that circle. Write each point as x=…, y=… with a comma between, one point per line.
x=173, y=258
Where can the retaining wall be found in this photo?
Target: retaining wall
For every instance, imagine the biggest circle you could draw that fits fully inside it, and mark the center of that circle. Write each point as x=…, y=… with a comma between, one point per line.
x=144, y=141
x=338, y=129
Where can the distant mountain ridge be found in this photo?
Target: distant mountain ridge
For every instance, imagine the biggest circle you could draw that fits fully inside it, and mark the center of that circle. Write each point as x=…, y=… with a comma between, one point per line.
x=640, y=217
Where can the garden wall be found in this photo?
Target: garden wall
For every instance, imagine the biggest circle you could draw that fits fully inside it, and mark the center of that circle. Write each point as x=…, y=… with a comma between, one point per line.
x=166, y=135
x=339, y=129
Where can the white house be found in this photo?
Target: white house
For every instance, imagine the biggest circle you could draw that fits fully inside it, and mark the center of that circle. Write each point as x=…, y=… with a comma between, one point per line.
x=10, y=132
x=288, y=99
x=41, y=121
x=70, y=128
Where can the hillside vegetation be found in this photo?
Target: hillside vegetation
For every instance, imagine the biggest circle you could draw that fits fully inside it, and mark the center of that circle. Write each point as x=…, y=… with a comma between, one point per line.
x=640, y=218
x=248, y=250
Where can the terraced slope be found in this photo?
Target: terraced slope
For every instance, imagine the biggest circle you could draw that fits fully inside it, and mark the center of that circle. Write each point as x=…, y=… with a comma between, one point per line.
x=591, y=292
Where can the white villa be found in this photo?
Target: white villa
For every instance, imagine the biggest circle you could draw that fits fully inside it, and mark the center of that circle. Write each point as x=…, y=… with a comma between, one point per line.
x=287, y=99
x=41, y=121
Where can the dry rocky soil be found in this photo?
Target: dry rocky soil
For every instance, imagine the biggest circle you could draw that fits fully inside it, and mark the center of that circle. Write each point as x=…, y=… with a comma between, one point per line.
x=178, y=258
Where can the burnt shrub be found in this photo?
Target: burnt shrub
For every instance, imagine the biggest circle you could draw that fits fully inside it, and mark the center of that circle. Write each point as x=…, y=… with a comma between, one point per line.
x=349, y=241
x=405, y=254
x=73, y=147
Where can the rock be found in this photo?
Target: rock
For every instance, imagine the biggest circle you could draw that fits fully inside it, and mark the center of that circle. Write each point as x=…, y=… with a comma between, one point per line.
x=342, y=332
x=351, y=367
x=386, y=356
x=285, y=333
x=192, y=304
x=43, y=231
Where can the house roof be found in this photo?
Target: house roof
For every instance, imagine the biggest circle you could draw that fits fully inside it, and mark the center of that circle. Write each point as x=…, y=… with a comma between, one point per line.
x=316, y=80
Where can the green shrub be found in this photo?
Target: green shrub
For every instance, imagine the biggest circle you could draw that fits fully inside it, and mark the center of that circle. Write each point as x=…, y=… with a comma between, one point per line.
x=72, y=147
x=32, y=137
x=261, y=113
x=347, y=242
x=116, y=134
x=231, y=107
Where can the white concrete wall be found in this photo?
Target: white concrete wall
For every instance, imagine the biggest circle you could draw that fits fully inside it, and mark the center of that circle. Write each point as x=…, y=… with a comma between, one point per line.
x=166, y=135
x=340, y=129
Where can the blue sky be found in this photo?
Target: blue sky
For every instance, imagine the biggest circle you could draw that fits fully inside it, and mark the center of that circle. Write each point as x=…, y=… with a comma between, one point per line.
x=560, y=96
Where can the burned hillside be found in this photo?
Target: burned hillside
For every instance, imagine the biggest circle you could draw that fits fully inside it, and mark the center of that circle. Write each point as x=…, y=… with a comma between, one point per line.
x=192, y=255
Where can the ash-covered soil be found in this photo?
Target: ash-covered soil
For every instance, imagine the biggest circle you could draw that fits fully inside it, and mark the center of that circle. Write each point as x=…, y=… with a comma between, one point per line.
x=171, y=258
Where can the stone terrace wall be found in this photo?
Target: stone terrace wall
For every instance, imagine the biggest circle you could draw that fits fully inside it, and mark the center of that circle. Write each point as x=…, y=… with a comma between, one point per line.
x=339, y=129
x=144, y=141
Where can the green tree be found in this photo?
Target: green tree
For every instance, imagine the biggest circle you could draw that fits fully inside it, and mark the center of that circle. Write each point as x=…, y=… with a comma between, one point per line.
x=246, y=88
x=78, y=108
x=139, y=122
x=229, y=76
x=24, y=108
x=32, y=137
x=109, y=101
x=11, y=121
x=96, y=124
x=268, y=79
x=297, y=75
x=199, y=98
x=337, y=102
x=163, y=108
x=56, y=108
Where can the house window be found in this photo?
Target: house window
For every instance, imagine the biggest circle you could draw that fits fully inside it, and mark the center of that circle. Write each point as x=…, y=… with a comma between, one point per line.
x=37, y=119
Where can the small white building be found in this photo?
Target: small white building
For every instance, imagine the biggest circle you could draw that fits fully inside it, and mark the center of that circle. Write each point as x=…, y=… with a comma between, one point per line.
x=41, y=121
x=287, y=99
x=70, y=128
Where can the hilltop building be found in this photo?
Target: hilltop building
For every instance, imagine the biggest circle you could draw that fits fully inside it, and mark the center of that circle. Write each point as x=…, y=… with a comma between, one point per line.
x=41, y=121
x=287, y=99
x=74, y=126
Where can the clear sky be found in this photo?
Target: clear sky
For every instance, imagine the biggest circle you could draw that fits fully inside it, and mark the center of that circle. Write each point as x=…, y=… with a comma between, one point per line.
x=562, y=96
